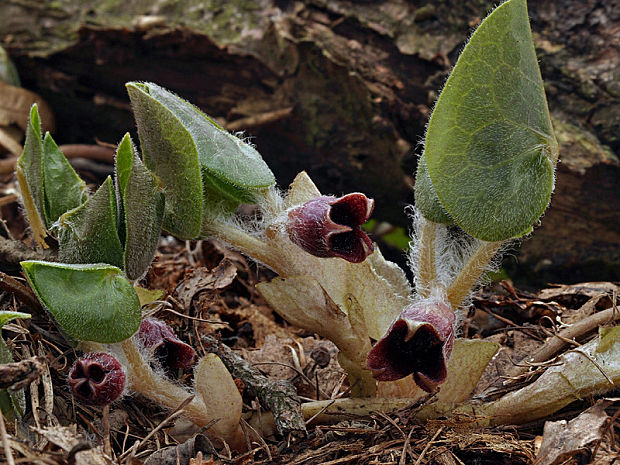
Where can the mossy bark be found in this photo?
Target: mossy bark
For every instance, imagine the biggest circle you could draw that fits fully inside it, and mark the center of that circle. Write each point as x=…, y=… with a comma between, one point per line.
x=339, y=88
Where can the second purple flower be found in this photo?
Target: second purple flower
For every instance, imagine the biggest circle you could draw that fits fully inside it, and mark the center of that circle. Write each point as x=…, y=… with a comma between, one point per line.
x=330, y=226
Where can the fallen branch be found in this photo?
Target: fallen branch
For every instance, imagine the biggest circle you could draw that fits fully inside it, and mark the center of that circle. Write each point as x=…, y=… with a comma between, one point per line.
x=278, y=396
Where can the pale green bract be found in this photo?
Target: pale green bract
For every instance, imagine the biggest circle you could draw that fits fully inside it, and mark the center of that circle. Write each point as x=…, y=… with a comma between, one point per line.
x=205, y=170
x=490, y=148
x=90, y=302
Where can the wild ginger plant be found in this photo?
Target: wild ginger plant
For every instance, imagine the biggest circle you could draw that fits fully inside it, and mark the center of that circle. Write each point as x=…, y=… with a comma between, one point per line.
x=484, y=178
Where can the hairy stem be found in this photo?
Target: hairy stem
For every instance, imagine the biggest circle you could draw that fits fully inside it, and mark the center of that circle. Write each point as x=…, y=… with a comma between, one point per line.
x=467, y=277
x=144, y=381
x=427, y=271
x=245, y=243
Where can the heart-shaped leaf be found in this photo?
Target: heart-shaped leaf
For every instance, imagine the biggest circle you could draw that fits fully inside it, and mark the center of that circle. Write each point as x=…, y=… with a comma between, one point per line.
x=490, y=148
x=91, y=302
x=141, y=203
x=205, y=170
x=63, y=188
x=88, y=233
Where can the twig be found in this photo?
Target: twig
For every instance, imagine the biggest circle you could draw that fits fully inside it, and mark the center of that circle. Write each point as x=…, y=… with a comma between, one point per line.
x=12, y=252
x=22, y=292
x=278, y=396
x=428, y=445
x=175, y=413
x=5, y=442
x=18, y=375
x=556, y=343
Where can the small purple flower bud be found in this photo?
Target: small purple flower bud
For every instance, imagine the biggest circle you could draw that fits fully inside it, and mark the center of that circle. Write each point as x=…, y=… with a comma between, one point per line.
x=165, y=345
x=97, y=378
x=330, y=227
x=419, y=342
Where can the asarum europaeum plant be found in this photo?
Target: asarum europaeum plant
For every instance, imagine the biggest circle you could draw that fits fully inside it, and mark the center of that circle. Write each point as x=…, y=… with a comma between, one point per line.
x=485, y=177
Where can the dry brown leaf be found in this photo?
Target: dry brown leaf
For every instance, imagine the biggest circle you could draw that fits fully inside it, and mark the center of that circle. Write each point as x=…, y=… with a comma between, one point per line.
x=201, y=279
x=15, y=104
x=184, y=452
x=564, y=440
x=585, y=289
x=67, y=438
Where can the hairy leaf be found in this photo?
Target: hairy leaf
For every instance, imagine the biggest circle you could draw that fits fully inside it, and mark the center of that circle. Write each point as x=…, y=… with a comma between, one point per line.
x=88, y=233
x=63, y=188
x=141, y=205
x=490, y=148
x=204, y=169
x=91, y=302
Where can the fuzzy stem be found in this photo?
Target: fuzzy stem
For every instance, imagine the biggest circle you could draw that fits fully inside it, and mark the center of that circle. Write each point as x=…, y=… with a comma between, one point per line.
x=245, y=243
x=467, y=277
x=145, y=382
x=427, y=271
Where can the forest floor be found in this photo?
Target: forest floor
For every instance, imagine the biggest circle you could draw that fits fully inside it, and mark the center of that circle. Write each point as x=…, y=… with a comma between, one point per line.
x=58, y=430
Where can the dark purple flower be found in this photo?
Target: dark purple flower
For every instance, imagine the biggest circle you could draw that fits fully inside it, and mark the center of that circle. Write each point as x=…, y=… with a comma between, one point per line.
x=165, y=345
x=330, y=227
x=97, y=378
x=419, y=342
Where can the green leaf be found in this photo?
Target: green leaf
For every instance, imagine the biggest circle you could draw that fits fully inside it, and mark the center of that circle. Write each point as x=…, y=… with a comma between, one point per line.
x=490, y=148
x=6, y=316
x=29, y=172
x=142, y=209
x=426, y=198
x=8, y=72
x=91, y=302
x=205, y=170
x=88, y=233
x=10, y=404
x=64, y=189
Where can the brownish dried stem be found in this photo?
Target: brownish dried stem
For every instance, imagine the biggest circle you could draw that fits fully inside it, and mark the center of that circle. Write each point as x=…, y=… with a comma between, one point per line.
x=558, y=342
x=278, y=396
x=12, y=252
x=18, y=375
x=19, y=290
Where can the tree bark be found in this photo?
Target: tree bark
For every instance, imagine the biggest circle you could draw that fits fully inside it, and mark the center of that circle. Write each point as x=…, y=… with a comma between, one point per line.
x=342, y=89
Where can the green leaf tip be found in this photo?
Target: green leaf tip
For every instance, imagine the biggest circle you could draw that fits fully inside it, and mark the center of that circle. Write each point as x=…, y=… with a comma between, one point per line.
x=6, y=316
x=490, y=150
x=88, y=233
x=205, y=170
x=91, y=302
x=141, y=205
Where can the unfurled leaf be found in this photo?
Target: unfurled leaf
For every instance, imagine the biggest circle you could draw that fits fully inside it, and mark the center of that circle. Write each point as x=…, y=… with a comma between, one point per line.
x=15, y=403
x=63, y=188
x=29, y=172
x=205, y=170
x=90, y=302
x=88, y=233
x=490, y=148
x=141, y=205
